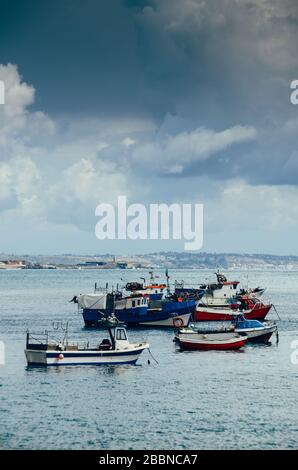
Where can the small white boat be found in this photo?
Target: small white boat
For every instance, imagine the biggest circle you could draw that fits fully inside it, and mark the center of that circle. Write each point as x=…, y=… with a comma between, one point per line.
x=113, y=350
x=256, y=331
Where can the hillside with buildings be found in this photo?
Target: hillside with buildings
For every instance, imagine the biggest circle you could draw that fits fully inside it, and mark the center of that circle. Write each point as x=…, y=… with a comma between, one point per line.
x=177, y=260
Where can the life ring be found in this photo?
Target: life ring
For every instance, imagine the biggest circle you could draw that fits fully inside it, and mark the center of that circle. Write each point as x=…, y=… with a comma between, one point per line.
x=178, y=322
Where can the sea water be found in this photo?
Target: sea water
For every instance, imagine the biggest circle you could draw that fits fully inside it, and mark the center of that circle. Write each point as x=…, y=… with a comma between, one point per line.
x=189, y=400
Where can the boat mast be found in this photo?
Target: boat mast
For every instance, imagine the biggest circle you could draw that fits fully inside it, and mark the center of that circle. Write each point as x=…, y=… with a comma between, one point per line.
x=168, y=282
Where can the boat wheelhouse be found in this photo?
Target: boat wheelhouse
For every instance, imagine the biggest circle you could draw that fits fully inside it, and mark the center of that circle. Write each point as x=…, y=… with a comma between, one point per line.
x=225, y=293
x=95, y=307
x=220, y=294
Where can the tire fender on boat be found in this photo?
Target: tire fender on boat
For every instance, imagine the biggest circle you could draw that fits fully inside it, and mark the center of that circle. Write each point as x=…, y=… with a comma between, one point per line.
x=178, y=322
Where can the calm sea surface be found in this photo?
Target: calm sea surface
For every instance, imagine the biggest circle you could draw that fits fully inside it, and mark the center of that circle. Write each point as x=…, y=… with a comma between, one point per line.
x=191, y=400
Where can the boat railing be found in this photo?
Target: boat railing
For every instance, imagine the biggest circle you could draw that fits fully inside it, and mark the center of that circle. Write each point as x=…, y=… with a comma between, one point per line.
x=100, y=290
x=37, y=340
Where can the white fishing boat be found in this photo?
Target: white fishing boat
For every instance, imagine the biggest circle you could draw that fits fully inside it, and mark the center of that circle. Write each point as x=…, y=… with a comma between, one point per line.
x=116, y=349
x=224, y=293
x=256, y=331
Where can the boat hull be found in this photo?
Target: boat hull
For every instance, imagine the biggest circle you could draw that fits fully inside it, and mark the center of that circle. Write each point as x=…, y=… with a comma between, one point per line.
x=226, y=314
x=162, y=314
x=258, y=313
x=93, y=316
x=258, y=335
x=167, y=322
x=210, y=342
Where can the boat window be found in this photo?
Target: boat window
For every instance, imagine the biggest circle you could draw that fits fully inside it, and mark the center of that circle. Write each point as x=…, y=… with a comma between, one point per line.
x=139, y=302
x=133, y=303
x=121, y=335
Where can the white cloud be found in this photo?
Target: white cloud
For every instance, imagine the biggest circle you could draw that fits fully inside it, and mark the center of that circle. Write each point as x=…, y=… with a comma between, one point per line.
x=240, y=207
x=53, y=173
x=19, y=177
x=18, y=125
x=46, y=176
x=175, y=152
x=18, y=95
x=128, y=142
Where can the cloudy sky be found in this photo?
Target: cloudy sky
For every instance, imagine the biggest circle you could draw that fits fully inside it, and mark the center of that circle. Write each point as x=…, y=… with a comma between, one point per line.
x=160, y=100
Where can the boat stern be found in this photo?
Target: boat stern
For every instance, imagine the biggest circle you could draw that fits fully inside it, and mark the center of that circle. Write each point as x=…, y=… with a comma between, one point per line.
x=36, y=357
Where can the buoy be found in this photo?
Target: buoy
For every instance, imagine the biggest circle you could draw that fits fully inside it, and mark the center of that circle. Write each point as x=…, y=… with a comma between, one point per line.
x=61, y=356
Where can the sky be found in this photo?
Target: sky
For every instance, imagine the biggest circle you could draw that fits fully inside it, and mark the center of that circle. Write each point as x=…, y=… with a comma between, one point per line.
x=164, y=101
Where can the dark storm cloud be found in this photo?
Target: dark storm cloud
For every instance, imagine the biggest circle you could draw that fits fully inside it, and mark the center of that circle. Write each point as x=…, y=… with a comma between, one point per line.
x=211, y=64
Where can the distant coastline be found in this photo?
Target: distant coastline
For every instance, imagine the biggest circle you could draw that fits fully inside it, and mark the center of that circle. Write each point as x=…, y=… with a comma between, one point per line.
x=174, y=260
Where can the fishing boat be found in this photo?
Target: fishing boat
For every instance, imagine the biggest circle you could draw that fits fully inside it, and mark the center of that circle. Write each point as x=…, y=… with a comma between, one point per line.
x=225, y=293
x=255, y=330
x=250, y=308
x=190, y=339
x=116, y=349
x=134, y=310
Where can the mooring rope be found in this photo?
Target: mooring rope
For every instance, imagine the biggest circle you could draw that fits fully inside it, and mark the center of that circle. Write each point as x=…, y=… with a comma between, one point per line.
x=276, y=311
x=152, y=356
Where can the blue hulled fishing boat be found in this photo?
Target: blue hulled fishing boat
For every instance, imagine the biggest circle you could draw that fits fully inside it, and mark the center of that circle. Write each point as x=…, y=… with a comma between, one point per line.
x=134, y=310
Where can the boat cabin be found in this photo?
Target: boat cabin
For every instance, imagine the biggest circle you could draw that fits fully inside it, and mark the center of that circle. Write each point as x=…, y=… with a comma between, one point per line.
x=117, y=340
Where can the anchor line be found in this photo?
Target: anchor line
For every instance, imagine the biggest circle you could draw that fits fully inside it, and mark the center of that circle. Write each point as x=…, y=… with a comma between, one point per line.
x=153, y=356
x=276, y=311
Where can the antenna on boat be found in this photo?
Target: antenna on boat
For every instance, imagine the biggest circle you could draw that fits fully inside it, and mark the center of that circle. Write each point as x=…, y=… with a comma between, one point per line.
x=168, y=283
x=65, y=329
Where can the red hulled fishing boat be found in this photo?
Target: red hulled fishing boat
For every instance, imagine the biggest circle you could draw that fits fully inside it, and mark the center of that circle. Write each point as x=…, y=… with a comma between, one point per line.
x=189, y=339
x=253, y=310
